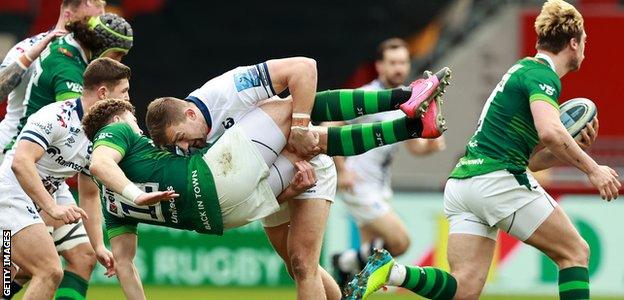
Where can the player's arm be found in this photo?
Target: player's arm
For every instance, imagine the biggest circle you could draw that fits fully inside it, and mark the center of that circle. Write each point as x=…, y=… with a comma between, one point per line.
x=89, y=196
x=542, y=158
x=124, y=249
x=24, y=167
x=559, y=142
x=421, y=147
x=104, y=166
x=299, y=75
x=14, y=66
x=304, y=179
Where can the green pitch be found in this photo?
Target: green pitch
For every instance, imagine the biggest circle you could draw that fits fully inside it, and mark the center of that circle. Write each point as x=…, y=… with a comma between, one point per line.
x=210, y=293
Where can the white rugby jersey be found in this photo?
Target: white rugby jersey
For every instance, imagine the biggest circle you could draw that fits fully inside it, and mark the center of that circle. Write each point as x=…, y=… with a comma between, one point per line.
x=58, y=130
x=373, y=167
x=15, y=105
x=225, y=99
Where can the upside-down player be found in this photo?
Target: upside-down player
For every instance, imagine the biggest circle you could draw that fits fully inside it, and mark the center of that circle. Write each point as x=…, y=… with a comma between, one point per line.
x=298, y=228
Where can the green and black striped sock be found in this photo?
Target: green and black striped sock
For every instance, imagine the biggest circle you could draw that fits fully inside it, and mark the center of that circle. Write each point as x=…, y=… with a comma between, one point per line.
x=72, y=287
x=431, y=283
x=341, y=105
x=574, y=283
x=358, y=138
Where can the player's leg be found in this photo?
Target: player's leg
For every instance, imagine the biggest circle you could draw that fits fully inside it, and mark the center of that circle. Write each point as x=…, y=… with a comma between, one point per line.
x=33, y=251
x=19, y=278
x=278, y=236
x=342, y=105
x=391, y=232
x=545, y=226
x=124, y=248
x=356, y=139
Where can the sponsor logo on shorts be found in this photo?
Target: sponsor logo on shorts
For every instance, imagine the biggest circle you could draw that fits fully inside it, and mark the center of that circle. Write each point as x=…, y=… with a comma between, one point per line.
x=6, y=263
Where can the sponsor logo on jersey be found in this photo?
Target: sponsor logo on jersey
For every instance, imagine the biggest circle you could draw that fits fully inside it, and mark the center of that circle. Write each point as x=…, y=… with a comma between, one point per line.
x=104, y=135
x=32, y=211
x=549, y=90
x=246, y=79
x=469, y=162
x=70, y=141
x=66, y=52
x=203, y=215
x=172, y=208
x=74, y=130
x=61, y=121
x=74, y=87
x=47, y=128
x=53, y=151
x=229, y=122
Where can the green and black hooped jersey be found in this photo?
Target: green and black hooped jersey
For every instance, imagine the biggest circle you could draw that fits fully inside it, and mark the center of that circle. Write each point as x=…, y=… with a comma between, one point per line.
x=152, y=169
x=506, y=134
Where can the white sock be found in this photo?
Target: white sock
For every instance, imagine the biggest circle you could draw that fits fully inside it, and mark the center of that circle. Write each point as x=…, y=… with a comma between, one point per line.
x=397, y=275
x=348, y=261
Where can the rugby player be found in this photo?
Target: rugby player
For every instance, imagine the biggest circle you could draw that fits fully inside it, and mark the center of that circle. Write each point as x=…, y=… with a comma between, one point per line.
x=52, y=147
x=221, y=102
x=365, y=178
x=232, y=172
x=490, y=188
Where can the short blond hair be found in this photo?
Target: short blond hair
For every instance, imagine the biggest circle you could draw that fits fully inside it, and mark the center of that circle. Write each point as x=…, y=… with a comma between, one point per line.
x=557, y=23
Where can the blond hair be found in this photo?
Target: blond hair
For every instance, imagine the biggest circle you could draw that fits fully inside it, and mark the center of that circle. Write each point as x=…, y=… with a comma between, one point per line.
x=557, y=23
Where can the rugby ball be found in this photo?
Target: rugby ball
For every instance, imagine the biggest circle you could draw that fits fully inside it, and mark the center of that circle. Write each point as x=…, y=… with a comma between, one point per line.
x=576, y=113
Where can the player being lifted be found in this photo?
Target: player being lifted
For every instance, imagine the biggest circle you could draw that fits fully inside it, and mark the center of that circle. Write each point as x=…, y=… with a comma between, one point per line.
x=221, y=187
x=51, y=148
x=222, y=101
x=489, y=189
x=365, y=178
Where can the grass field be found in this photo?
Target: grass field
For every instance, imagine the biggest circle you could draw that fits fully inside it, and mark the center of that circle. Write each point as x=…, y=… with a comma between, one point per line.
x=214, y=293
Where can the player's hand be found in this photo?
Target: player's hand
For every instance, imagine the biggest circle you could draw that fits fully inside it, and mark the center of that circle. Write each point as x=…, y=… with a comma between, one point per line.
x=155, y=197
x=588, y=135
x=605, y=180
x=304, y=142
x=67, y=213
x=346, y=180
x=36, y=50
x=106, y=258
x=304, y=179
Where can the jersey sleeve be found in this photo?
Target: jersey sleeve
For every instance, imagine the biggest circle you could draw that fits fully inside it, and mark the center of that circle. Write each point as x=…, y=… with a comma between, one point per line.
x=43, y=128
x=67, y=78
x=542, y=85
x=249, y=85
x=12, y=56
x=118, y=136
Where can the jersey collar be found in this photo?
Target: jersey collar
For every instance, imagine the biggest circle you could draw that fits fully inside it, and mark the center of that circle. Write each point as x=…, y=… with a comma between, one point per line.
x=203, y=108
x=547, y=59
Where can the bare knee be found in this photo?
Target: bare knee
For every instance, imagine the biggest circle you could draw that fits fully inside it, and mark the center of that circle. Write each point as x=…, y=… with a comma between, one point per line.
x=81, y=259
x=398, y=245
x=52, y=273
x=301, y=267
x=576, y=255
x=306, y=64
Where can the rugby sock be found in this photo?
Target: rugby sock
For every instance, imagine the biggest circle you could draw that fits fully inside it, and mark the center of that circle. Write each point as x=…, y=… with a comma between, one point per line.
x=340, y=105
x=574, y=283
x=72, y=287
x=428, y=282
x=358, y=138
